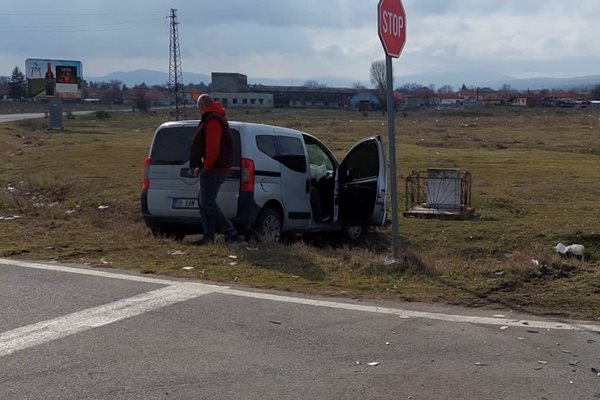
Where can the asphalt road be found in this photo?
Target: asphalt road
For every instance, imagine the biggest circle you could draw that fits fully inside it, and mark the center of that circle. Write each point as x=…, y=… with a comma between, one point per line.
x=24, y=116
x=74, y=332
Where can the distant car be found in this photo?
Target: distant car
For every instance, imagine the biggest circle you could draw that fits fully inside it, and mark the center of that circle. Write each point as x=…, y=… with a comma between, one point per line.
x=282, y=181
x=566, y=103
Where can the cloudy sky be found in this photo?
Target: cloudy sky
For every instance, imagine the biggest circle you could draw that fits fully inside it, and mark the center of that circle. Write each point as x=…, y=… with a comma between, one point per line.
x=306, y=39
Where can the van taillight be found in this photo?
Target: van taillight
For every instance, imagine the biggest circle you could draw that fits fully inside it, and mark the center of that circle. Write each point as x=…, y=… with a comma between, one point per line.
x=247, y=178
x=146, y=182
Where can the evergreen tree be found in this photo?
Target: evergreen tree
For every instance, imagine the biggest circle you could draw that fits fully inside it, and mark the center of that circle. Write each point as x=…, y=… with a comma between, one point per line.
x=16, y=85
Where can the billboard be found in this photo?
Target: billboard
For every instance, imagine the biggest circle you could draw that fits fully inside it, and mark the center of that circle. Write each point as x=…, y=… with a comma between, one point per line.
x=53, y=78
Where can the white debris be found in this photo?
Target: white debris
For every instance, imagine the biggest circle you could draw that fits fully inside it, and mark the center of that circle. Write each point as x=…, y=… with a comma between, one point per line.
x=373, y=364
x=387, y=343
x=233, y=263
x=504, y=327
x=10, y=217
x=188, y=268
x=101, y=207
x=232, y=256
x=543, y=362
x=535, y=262
x=574, y=249
x=389, y=261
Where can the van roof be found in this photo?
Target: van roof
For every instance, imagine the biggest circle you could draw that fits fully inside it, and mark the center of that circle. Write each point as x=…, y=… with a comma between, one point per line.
x=233, y=124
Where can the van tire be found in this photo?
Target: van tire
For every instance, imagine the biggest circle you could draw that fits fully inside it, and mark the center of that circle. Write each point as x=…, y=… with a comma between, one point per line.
x=354, y=232
x=268, y=226
x=168, y=234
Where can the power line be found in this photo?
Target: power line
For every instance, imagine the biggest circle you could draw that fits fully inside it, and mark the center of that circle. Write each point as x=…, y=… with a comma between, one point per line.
x=81, y=28
x=78, y=14
x=85, y=27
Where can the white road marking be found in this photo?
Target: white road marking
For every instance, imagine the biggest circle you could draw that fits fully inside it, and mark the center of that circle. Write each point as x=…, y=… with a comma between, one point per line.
x=418, y=314
x=46, y=331
x=175, y=292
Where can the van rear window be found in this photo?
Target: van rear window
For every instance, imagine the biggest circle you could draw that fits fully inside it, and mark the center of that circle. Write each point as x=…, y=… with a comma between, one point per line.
x=172, y=146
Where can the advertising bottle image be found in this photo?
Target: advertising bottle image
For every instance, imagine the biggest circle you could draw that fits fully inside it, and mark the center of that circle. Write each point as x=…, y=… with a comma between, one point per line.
x=50, y=82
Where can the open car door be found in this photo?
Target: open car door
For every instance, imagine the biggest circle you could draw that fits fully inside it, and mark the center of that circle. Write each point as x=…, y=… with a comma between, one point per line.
x=362, y=184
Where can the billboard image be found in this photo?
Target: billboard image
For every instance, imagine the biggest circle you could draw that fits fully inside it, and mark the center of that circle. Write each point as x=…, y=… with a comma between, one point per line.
x=53, y=78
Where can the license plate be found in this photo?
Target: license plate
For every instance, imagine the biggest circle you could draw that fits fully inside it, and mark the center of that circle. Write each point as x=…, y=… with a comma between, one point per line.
x=185, y=203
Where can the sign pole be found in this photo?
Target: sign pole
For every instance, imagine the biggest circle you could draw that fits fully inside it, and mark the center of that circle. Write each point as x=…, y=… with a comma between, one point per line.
x=392, y=152
x=391, y=21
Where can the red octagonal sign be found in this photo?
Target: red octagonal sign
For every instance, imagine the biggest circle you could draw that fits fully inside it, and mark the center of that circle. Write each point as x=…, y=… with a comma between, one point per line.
x=391, y=20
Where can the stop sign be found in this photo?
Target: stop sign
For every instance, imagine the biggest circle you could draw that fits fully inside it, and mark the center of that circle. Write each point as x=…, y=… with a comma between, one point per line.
x=391, y=20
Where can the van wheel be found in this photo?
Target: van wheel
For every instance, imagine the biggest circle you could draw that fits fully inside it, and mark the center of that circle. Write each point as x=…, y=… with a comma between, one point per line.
x=167, y=234
x=268, y=226
x=353, y=232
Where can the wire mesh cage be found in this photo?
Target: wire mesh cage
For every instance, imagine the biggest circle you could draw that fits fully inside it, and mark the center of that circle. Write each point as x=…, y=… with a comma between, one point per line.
x=439, y=193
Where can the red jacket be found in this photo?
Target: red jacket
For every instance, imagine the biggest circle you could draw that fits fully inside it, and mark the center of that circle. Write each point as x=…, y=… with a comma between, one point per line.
x=211, y=144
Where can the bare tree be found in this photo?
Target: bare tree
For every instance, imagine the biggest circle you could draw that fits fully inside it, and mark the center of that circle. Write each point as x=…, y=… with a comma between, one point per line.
x=313, y=84
x=446, y=89
x=378, y=78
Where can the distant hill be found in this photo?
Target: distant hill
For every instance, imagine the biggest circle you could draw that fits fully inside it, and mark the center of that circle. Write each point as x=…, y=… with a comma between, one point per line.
x=456, y=80
x=149, y=77
x=492, y=80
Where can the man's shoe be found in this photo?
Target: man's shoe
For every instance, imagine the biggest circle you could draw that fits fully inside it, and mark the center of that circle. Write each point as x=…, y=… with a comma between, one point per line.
x=232, y=238
x=203, y=241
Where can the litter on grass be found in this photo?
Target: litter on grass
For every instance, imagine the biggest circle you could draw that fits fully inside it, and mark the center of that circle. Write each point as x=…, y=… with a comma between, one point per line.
x=574, y=249
x=188, y=268
x=9, y=217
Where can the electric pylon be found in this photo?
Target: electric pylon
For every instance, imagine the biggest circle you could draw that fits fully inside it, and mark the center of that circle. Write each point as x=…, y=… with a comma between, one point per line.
x=177, y=95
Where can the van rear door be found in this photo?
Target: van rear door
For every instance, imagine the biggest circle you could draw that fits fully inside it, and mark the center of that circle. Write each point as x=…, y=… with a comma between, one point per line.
x=173, y=190
x=362, y=184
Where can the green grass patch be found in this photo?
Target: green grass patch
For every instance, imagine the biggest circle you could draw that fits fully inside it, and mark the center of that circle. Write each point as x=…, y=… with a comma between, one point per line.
x=535, y=183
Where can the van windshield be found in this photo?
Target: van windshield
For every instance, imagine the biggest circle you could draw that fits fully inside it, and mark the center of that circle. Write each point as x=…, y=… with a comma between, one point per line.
x=172, y=146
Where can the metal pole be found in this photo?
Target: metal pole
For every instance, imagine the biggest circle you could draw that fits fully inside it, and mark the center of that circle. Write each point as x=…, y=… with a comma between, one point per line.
x=392, y=152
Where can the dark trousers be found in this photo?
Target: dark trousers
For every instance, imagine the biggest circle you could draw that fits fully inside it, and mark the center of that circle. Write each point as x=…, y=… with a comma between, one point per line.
x=212, y=216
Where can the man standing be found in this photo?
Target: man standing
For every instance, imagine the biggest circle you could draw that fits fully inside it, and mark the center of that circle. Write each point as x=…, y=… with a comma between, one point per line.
x=211, y=157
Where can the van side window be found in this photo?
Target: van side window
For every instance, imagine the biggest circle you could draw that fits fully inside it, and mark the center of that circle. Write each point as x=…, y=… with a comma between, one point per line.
x=291, y=153
x=266, y=144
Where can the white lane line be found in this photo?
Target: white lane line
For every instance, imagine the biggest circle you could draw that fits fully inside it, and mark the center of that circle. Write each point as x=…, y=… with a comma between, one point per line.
x=46, y=331
x=418, y=314
x=534, y=324
x=83, y=271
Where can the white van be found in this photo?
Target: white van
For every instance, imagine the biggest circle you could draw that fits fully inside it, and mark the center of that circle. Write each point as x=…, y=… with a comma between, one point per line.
x=282, y=181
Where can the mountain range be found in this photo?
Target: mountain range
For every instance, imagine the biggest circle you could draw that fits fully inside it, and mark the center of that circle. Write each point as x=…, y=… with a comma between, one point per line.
x=475, y=78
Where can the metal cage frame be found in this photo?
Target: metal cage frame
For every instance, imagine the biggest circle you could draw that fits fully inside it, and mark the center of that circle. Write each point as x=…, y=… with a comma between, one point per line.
x=417, y=196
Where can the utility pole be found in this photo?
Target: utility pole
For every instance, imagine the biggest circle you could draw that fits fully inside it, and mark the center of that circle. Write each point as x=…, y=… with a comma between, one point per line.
x=177, y=95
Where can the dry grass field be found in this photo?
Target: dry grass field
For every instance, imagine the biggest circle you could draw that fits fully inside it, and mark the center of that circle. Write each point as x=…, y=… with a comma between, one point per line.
x=535, y=182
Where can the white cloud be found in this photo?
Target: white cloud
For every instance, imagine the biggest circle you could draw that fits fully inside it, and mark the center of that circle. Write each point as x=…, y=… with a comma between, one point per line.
x=304, y=39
